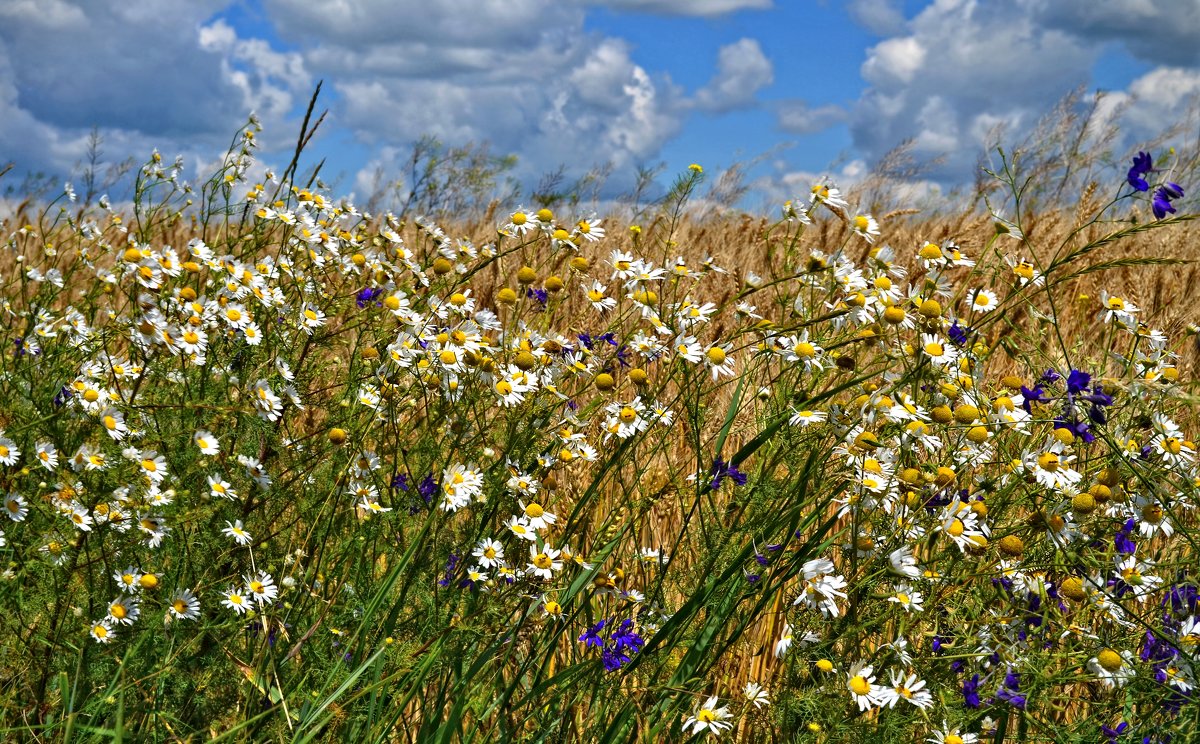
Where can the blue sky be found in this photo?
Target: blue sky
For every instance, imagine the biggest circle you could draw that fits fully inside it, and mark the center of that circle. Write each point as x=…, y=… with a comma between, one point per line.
x=803, y=88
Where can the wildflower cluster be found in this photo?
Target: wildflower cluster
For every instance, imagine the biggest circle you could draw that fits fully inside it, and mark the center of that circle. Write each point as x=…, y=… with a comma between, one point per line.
x=317, y=447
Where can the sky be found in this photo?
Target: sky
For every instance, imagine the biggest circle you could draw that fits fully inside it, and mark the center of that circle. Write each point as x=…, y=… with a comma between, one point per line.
x=797, y=89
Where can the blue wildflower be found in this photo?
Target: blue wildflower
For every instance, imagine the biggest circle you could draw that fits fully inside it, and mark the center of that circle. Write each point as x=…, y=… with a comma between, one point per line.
x=970, y=691
x=427, y=488
x=451, y=564
x=1111, y=733
x=366, y=296
x=1010, y=691
x=959, y=335
x=591, y=637
x=1036, y=395
x=1077, y=382
x=1121, y=541
x=1163, y=195
x=721, y=470
x=1142, y=165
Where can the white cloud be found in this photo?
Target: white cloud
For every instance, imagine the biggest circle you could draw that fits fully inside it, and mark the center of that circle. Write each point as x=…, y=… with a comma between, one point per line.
x=685, y=7
x=882, y=17
x=145, y=74
x=894, y=61
x=742, y=71
x=1164, y=32
x=797, y=117
x=961, y=67
x=523, y=75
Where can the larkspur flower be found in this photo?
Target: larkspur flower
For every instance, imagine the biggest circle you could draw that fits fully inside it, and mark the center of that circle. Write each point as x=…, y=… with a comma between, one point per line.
x=1142, y=165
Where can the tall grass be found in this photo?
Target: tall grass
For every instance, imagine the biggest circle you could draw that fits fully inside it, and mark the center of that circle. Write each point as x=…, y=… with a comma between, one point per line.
x=281, y=470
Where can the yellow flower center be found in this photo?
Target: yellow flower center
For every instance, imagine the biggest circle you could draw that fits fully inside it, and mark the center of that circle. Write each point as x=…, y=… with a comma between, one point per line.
x=955, y=528
x=1152, y=513
x=541, y=560
x=931, y=252
x=1109, y=659
x=859, y=685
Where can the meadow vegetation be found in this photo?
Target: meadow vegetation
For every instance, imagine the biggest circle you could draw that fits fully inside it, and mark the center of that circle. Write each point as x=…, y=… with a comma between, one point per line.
x=275, y=467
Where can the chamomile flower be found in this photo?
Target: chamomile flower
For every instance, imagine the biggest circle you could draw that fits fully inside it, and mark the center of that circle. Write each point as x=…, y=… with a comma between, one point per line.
x=908, y=598
x=15, y=507
x=261, y=588
x=902, y=563
x=860, y=682
x=124, y=610
x=983, y=300
x=207, y=442
x=536, y=515
x=937, y=350
x=709, y=718
x=9, y=454
x=113, y=422
x=184, y=605
x=543, y=562
x=948, y=735
x=220, y=488
x=1112, y=668
x=47, y=455
x=102, y=631
x=520, y=222
x=598, y=299
x=1118, y=309
x=907, y=687
x=756, y=695
x=519, y=527
x=236, y=599
x=865, y=226
x=235, y=532
x=719, y=362
x=805, y=417
x=489, y=553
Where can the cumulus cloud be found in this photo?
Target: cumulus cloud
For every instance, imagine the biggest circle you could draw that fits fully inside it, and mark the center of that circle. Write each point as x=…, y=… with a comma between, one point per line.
x=523, y=75
x=145, y=74
x=882, y=17
x=742, y=71
x=948, y=78
x=685, y=7
x=961, y=68
x=797, y=117
x=1164, y=32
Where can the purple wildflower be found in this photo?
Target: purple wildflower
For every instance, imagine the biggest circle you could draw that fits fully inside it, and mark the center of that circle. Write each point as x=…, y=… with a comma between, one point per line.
x=721, y=470
x=1142, y=164
x=366, y=296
